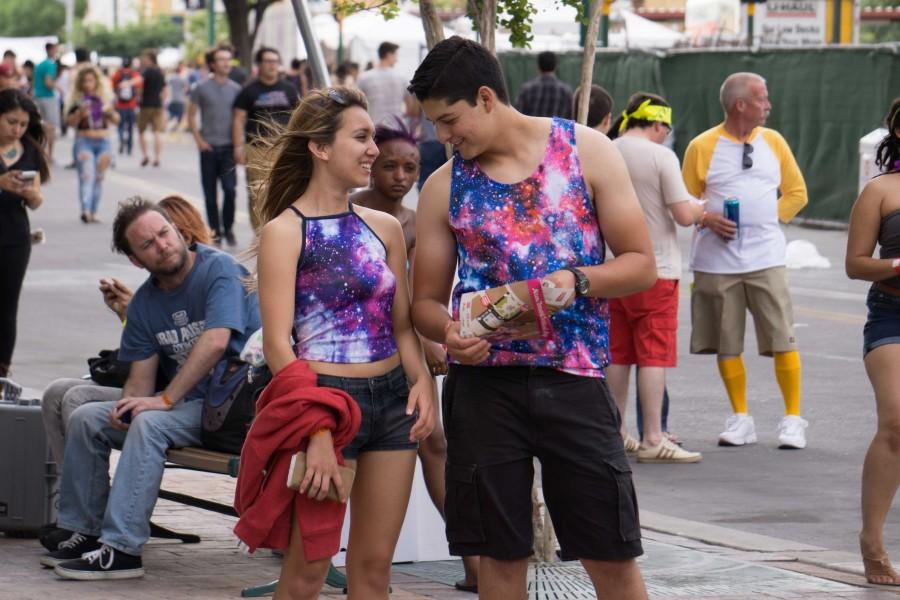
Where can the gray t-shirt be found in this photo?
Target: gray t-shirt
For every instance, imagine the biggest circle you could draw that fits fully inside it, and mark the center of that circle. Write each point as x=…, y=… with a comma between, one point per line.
x=385, y=90
x=656, y=176
x=215, y=101
x=178, y=86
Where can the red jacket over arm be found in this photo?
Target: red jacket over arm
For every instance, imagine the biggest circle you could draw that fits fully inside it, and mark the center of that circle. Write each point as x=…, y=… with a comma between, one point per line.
x=290, y=409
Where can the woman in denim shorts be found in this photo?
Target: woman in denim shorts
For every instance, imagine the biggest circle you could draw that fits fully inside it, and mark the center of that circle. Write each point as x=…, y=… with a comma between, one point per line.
x=332, y=276
x=876, y=219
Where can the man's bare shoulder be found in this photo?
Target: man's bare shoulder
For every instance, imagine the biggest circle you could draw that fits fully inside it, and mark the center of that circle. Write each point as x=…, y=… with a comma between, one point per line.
x=436, y=190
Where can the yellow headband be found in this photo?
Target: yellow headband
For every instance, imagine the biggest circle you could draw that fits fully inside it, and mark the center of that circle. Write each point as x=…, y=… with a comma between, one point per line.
x=646, y=112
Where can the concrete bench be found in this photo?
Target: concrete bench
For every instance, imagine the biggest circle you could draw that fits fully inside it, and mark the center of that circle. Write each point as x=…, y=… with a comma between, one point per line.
x=210, y=461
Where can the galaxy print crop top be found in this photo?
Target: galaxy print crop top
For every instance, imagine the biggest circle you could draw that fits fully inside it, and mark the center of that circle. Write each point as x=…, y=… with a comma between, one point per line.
x=509, y=232
x=344, y=292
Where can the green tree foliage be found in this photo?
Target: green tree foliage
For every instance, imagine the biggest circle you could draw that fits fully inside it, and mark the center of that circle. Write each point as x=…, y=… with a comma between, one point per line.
x=20, y=18
x=881, y=31
x=132, y=39
x=197, y=34
x=517, y=17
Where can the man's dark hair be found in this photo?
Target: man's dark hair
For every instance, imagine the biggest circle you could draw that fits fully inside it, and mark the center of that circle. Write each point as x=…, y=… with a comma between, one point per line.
x=296, y=63
x=600, y=104
x=82, y=55
x=150, y=55
x=263, y=50
x=546, y=62
x=129, y=212
x=126, y=62
x=49, y=46
x=454, y=70
x=9, y=54
x=386, y=48
x=223, y=47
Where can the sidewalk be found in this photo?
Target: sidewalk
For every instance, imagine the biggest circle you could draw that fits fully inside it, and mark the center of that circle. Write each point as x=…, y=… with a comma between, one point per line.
x=683, y=560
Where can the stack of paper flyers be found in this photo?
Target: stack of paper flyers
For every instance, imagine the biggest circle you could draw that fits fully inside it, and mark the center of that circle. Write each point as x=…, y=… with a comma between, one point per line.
x=516, y=311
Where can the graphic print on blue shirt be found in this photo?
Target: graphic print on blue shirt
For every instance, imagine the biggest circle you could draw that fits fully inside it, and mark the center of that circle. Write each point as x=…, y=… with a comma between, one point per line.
x=169, y=323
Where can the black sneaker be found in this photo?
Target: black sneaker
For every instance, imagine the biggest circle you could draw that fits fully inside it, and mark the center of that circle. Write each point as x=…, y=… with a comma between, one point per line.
x=229, y=237
x=50, y=536
x=103, y=563
x=72, y=548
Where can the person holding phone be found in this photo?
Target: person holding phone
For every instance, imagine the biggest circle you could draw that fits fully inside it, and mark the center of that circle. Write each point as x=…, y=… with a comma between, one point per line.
x=23, y=167
x=91, y=112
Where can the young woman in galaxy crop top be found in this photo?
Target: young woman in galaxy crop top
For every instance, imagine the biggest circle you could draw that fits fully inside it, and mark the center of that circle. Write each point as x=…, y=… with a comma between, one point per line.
x=332, y=276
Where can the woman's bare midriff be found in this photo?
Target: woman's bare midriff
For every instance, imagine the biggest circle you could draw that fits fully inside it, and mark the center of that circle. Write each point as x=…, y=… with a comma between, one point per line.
x=372, y=369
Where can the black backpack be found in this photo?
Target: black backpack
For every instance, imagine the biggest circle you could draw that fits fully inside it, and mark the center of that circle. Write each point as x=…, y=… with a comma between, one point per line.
x=107, y=370
x=230, y=404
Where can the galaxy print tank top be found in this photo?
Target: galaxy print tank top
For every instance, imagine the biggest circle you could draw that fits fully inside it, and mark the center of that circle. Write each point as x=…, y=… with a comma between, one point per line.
x=344, y=292
x=508, y=232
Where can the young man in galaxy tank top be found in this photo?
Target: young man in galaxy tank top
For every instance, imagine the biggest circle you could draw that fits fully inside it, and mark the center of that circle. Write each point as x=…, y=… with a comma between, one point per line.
x=527, y=198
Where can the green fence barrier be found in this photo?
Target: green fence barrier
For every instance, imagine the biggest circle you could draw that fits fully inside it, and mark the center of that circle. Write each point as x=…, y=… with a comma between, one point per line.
x=823, y=101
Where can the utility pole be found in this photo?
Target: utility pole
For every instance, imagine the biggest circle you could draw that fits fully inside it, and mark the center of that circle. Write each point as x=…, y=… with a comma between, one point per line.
x=211, y=23
x=751, y=13
x=70, y=24
x=115, y=14
x=313, y=49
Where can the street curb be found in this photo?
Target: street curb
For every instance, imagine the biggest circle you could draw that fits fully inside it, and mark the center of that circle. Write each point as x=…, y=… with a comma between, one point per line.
x=715, y=535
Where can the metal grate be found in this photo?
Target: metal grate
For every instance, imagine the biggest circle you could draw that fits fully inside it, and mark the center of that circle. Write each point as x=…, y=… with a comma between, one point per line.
x=671, y=572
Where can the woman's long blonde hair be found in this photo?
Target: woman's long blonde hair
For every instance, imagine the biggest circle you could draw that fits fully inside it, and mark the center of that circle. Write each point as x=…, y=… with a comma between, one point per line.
x=284, y=162
x=76, y=94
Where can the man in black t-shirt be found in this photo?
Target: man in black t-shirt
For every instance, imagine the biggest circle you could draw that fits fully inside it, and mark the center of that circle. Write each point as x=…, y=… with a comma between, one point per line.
x=151, y=106
x=265, y=98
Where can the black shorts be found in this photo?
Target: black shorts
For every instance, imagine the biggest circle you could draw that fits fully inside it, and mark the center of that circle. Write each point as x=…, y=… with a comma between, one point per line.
x=496, y=420
x=382, y=401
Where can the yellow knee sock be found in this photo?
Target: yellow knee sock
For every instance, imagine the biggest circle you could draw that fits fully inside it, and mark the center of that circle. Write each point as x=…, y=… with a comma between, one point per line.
x=734, y=376
x=787, y=373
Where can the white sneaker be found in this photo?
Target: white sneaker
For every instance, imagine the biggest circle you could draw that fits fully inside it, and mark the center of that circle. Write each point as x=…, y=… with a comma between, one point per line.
x=667, y=453
x=792, y=433
x=739, y=431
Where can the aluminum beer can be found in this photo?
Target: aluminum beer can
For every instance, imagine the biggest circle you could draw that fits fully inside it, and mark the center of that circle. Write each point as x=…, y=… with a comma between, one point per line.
x=733, y=213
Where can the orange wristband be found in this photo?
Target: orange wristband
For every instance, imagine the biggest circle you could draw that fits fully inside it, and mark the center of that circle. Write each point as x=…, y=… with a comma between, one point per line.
x=166, y=400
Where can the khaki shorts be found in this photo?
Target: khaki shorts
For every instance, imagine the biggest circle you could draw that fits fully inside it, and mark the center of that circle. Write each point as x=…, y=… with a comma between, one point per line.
x=719, y=306
x=151, y=116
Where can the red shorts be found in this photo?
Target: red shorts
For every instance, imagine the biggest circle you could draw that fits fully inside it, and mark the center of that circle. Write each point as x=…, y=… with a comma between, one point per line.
x=643, y=326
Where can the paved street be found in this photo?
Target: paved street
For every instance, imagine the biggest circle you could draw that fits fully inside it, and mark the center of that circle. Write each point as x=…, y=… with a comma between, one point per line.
x=746, y=522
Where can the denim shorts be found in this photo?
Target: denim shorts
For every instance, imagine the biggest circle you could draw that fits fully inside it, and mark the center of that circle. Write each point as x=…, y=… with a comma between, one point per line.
x=883, y=324
x=382, y=402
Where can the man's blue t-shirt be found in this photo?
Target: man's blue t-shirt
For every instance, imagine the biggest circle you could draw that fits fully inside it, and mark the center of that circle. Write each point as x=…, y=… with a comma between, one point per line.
x=169, y=323
x=44, y=68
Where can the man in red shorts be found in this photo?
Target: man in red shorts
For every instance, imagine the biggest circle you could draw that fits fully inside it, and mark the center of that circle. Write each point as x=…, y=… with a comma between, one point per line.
x=643, y=326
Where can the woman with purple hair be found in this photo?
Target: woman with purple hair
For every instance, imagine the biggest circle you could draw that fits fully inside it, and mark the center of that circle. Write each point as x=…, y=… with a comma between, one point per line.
x=394, y=173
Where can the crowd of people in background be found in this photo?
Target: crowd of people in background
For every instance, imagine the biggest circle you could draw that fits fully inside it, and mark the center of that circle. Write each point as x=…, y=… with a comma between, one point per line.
x=327, y=171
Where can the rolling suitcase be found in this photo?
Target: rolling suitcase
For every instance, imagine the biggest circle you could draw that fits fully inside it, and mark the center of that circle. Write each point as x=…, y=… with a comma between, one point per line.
x=27, y=473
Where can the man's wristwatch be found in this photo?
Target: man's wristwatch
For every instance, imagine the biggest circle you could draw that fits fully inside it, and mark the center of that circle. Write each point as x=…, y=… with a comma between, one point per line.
x=582, y=283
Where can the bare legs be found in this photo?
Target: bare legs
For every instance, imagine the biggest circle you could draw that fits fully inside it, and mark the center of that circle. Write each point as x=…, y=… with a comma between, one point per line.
x=378, y=503
x=433, y=454
x=651, y=384
x=881, y=475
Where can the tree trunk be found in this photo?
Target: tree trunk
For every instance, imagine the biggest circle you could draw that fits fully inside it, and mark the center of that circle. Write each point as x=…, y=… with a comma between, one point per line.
x=238, y=13
x=487, y=24
x=434, y=29
x=483, y=14
x=587, y=61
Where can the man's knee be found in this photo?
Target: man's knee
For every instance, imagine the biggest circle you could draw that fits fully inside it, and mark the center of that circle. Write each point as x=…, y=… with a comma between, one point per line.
x=92, y=416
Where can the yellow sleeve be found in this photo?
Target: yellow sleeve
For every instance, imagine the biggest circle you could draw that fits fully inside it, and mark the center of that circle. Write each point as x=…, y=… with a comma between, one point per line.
x=696, y=160
x=694, y=176
x=793, y=187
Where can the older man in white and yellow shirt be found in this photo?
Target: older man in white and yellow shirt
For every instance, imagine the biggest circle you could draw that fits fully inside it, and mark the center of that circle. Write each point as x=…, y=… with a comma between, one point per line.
x=740, y=268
